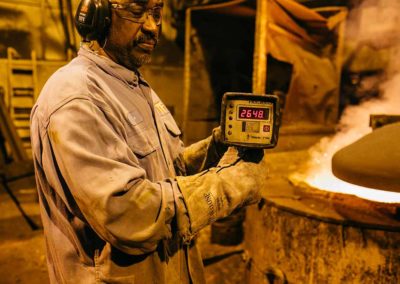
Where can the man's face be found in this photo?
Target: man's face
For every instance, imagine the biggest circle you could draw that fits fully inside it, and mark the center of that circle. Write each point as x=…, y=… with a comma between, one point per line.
x=132, y=39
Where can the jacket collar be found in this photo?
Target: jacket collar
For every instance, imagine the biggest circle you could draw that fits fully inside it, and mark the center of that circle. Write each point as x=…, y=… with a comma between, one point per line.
x=132, y=78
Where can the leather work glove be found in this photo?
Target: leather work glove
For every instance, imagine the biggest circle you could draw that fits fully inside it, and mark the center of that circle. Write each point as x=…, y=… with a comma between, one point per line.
x=220, y=148
x=205, y=153
x=215, y=193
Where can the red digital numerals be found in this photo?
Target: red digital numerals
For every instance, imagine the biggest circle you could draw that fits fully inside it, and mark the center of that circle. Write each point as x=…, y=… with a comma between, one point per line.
x=251, y=113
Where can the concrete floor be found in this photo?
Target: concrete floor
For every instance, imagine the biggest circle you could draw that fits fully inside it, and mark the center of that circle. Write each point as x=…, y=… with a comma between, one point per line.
x=22, y=250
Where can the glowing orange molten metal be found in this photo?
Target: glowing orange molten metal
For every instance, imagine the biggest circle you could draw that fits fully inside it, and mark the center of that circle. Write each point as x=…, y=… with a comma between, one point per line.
x=325, y=180
x=354, y=122
x=353, y=125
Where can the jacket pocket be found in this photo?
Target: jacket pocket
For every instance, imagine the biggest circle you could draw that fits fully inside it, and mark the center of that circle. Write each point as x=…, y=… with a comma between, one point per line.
x=171, y=126
x=109, y=272
x=176, y=146
x=142, y=139
x=173, y=135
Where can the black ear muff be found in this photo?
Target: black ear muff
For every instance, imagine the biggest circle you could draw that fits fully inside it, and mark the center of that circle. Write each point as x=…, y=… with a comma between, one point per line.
x=92, y=19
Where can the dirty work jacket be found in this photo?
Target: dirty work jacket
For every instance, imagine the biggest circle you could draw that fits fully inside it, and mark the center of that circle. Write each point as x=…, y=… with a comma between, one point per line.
x=104, y=148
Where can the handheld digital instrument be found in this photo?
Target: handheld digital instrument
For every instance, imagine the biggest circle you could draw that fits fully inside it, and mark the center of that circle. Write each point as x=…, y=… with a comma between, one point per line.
x=250, y=120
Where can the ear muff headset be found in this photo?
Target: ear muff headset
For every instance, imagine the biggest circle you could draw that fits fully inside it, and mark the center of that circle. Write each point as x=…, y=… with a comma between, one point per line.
x=92, y=19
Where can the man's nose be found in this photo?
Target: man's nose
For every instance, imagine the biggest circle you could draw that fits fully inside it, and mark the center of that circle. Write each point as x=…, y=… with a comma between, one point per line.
x=150, y=25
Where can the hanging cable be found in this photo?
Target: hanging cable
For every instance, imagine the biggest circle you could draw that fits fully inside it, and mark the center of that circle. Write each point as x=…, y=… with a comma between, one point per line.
x=65, y=27
x=71, y=25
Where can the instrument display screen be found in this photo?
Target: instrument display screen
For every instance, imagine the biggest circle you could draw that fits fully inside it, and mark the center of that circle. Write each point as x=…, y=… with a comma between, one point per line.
x=250, y=120
x=253, y=113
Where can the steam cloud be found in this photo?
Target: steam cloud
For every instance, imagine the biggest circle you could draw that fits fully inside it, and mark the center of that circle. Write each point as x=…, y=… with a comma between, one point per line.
x=373, y=23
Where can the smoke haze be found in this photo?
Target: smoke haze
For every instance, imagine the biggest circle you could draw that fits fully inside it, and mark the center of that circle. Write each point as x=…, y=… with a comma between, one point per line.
x=376, y=24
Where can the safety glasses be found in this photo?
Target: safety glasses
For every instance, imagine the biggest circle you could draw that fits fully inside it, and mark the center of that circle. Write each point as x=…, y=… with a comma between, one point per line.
x=138, y=12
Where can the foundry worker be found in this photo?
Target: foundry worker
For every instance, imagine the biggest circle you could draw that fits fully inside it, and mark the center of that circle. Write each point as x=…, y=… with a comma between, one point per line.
x=121, y=199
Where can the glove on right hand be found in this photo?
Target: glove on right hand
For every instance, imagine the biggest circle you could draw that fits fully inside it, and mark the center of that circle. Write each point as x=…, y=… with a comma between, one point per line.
x=215, y=193
x=233, y=154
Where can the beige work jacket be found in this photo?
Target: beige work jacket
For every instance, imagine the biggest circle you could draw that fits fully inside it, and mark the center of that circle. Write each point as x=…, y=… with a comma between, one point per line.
x=106, y=151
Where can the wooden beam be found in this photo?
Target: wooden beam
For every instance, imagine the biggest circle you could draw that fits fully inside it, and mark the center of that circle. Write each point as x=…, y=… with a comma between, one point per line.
x=10, y=135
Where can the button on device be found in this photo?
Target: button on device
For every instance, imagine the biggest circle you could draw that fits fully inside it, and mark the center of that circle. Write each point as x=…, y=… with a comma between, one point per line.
x=230, y=125
x=231, y=105
x=230, y=132
x=230, y=118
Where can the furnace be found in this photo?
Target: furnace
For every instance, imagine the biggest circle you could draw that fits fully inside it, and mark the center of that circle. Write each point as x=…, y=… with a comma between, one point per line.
x=372, y=161
x=300, y=234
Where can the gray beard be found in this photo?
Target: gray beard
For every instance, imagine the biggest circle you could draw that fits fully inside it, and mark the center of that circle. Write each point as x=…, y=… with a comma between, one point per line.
x=138, y=61
x=131, y=62
x=125, y=58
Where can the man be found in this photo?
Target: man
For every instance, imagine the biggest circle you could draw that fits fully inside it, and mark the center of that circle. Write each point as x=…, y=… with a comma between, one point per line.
x=110, y=167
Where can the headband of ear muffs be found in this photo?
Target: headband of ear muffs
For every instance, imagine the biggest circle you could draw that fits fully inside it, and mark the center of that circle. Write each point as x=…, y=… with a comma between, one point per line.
x=92, y=19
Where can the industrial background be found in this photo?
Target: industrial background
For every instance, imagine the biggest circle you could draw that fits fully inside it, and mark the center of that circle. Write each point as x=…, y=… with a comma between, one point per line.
x=335, y=65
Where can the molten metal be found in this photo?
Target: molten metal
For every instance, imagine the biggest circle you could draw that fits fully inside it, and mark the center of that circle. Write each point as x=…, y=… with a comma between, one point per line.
x=325, y=180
